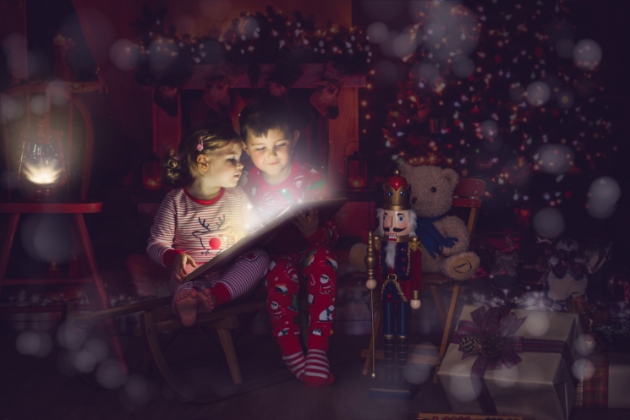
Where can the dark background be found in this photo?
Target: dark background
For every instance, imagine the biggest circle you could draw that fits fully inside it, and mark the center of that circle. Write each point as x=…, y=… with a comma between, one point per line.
x=116, y=176
x=606, y=22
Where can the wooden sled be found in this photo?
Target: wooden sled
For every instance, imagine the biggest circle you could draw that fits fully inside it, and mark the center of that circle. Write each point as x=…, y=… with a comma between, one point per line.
x=156, y=317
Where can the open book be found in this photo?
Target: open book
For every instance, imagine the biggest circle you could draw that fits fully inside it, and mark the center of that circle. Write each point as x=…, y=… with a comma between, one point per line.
x=264, y=234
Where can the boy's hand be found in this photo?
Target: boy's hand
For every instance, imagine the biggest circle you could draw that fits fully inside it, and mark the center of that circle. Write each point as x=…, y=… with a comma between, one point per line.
x=179, y=266
x=307, y=222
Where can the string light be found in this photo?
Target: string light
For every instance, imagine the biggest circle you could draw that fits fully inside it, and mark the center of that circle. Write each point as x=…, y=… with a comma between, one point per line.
x=244, y=41
x=496, y=91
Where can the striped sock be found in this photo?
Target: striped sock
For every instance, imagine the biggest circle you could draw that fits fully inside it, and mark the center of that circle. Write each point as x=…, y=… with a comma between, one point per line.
x=317, y=372
x=295, y=363
x=292, y=353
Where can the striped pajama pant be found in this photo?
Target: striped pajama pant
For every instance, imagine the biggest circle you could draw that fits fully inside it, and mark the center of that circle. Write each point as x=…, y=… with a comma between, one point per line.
x=239, y=278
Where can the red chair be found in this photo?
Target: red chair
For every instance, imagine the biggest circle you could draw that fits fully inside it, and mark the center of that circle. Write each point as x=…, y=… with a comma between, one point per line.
x=74, y=203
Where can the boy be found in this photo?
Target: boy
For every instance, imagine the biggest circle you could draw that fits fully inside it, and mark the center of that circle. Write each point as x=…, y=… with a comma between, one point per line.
x=300, y=252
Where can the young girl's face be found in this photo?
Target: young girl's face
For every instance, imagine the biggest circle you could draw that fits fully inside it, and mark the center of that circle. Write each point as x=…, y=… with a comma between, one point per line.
x=272, y=154
x=224, y=166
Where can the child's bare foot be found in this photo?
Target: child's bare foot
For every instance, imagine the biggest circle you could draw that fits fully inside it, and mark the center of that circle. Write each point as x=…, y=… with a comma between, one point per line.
x=186, y=304
x=205, y=302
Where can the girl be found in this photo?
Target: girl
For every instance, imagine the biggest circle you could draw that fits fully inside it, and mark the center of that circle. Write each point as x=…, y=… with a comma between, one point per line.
x=195, y=223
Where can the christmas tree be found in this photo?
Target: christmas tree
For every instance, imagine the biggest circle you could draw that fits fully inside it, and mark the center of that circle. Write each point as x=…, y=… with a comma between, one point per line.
x=500, y=91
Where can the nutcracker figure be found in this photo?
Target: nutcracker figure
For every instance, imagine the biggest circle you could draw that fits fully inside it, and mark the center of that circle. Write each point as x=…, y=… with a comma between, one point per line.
x=394, y=259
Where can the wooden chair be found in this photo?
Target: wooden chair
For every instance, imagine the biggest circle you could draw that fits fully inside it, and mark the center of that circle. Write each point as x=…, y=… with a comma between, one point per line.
x=70, y=116
x=466, y=197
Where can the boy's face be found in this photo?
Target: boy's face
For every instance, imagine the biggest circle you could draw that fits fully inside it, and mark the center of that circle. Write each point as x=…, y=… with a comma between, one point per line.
x=272, y=153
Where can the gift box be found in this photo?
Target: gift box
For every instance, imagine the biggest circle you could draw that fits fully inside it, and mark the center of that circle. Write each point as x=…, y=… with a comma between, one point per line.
x=605, y=382
x=512, y=362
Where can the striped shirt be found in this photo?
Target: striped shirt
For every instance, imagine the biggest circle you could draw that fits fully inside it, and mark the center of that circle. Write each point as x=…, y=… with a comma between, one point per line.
x=200, y=228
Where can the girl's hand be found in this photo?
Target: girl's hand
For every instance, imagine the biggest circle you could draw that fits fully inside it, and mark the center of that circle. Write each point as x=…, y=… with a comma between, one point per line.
x=307, y=222
x=179, y=266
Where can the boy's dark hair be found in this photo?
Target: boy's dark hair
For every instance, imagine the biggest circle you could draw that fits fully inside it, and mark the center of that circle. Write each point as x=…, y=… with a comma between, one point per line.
x=264, y=114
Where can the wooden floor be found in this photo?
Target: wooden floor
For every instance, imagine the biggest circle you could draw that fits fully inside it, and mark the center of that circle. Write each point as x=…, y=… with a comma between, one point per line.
x=44, y=389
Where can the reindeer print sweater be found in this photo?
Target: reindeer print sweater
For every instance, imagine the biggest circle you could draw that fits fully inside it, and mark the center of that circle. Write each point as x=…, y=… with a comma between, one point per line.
x=201, y=229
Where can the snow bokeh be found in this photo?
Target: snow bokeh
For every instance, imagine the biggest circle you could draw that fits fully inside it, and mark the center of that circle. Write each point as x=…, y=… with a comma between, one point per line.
x=548, y=223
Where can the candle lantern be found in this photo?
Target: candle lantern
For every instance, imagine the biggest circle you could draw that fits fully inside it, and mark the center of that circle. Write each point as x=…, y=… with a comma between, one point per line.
x=357, y=171
x=523, y=216
x=42, y=170
x=152, y=175
x=436, y=125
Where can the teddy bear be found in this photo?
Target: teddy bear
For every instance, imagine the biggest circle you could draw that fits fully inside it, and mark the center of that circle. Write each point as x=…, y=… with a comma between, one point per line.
x=445, y=238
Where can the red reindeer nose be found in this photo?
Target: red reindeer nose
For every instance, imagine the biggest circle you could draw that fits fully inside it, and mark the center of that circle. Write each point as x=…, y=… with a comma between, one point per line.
x=215, y=243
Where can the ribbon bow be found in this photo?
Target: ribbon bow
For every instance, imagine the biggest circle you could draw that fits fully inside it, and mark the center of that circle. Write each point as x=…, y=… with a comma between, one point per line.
x=490, y=337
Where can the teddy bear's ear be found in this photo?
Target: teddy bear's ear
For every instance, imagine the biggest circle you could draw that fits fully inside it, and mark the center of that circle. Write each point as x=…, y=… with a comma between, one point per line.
x=405, y=169
x=451, y=177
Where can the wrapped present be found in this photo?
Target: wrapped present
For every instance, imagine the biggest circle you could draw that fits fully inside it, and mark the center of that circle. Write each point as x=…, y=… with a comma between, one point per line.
x=604, y=382
x=512, y=362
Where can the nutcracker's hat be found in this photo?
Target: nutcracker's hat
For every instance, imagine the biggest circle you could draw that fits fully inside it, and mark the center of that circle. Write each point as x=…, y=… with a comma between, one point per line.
x=396, y=193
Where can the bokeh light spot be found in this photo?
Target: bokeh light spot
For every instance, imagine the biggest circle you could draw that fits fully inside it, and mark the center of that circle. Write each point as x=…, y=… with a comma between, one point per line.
x=537, y=324
x=109, y=374
x=124, y=54
x=548, y=223
x=538, y=93
x=587, y=54
x=39, y=105
x=583, y=369
x=556, y=159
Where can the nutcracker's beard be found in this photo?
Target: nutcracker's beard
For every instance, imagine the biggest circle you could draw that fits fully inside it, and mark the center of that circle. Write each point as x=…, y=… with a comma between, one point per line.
x=390, y=254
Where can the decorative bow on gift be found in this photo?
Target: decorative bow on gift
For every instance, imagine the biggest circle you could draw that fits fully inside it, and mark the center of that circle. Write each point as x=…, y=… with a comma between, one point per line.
x=490, y=337
x=562, y=261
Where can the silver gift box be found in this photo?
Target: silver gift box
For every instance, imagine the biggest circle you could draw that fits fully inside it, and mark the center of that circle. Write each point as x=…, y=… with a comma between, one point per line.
x=540, y=385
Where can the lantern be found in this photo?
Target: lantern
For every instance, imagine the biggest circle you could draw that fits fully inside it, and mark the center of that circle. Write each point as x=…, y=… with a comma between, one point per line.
x=357, y=171
x=151, y=175
x=42, y=170
x=522, y=218
x=436, y=125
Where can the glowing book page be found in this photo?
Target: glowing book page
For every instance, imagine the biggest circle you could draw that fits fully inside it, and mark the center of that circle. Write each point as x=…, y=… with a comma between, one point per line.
x=263, y=235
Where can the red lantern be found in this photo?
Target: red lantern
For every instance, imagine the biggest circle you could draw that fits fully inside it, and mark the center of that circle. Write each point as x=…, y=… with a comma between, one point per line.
x=357, y=171
x=151, y=176
x=436, y=125
x=522, y=218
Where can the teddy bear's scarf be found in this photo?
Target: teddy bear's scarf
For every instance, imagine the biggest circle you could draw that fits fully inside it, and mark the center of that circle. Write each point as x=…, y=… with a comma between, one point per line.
x=431, y=238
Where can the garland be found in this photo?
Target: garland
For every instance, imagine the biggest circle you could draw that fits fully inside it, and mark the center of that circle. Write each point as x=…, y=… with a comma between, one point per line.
x=168, y=57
